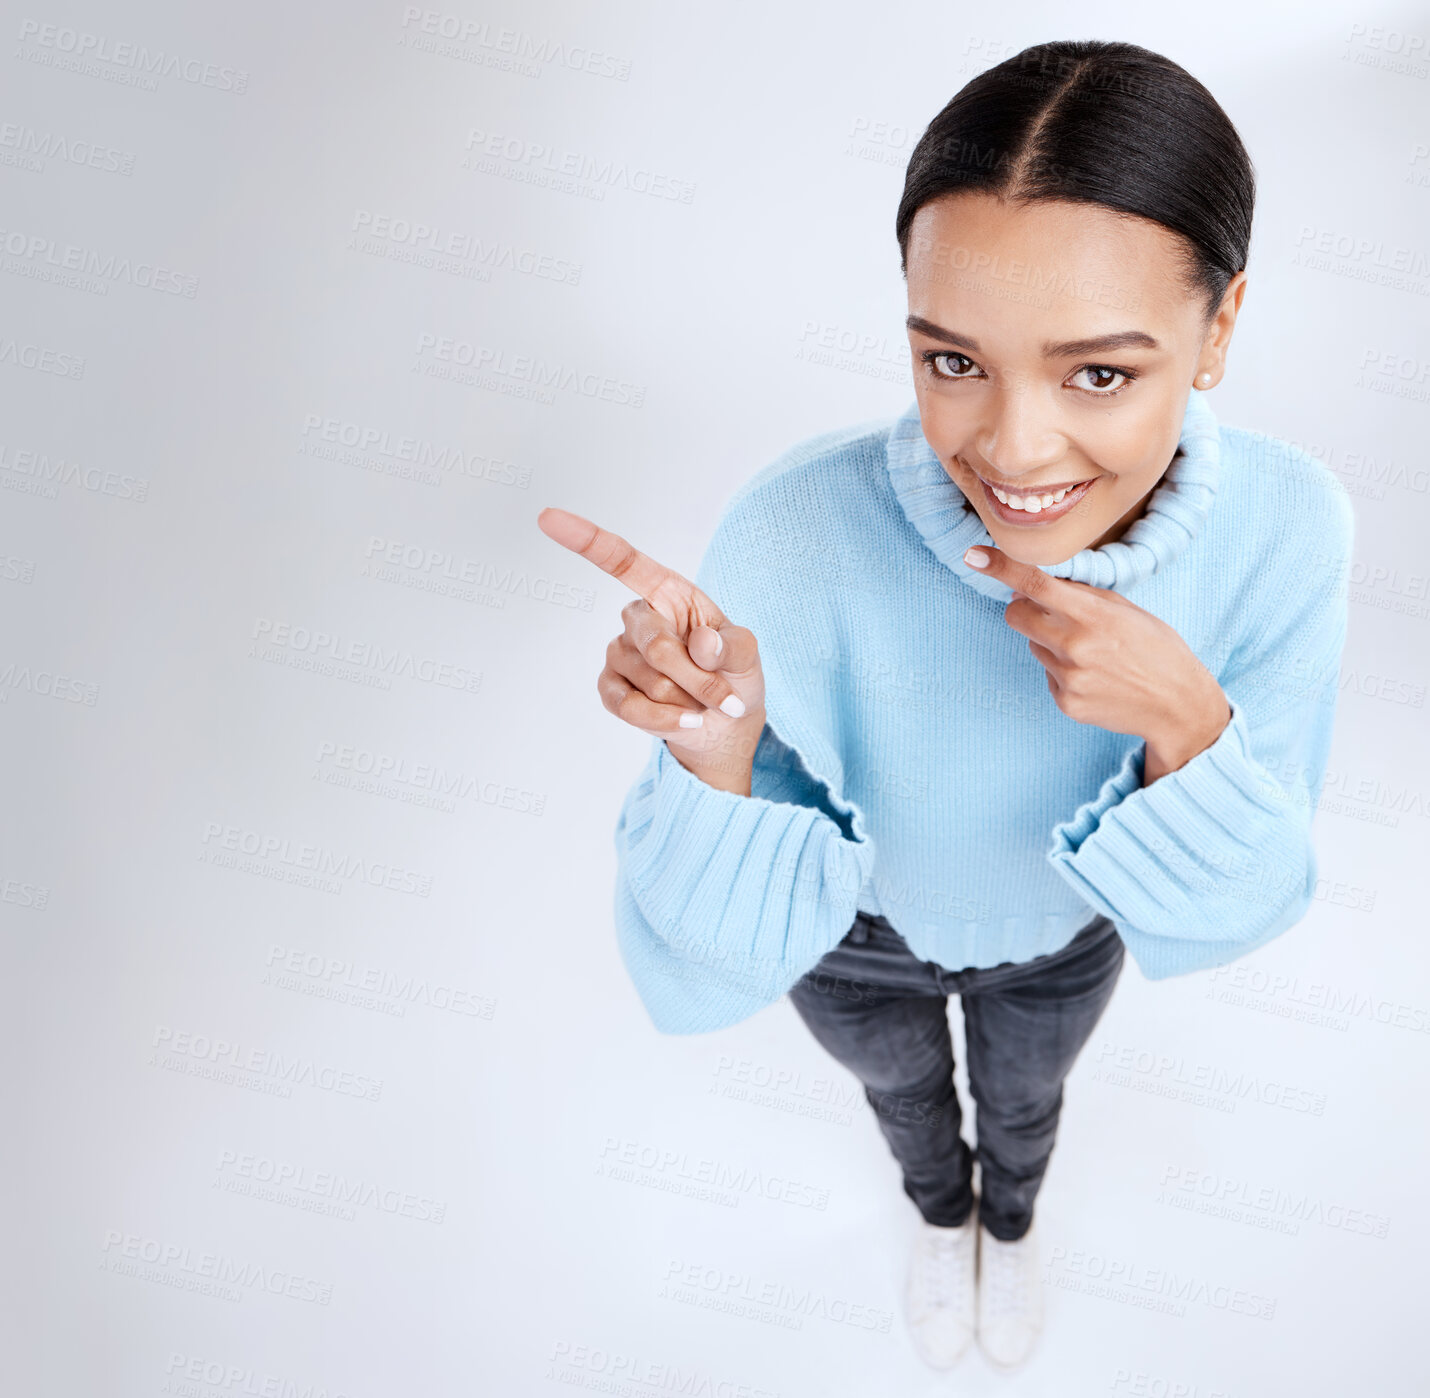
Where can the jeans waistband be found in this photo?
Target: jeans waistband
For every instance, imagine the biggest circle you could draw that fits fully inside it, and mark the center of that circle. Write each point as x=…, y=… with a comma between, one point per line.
x=859, y=932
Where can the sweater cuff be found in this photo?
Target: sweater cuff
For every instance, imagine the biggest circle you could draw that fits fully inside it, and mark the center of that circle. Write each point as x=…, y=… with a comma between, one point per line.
x=757, y=890
x=1139, y=854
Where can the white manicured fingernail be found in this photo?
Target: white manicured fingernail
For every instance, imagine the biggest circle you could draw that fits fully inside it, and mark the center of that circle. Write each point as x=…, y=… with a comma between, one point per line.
x=733, y=705
x=719, y=643
x=688, y=720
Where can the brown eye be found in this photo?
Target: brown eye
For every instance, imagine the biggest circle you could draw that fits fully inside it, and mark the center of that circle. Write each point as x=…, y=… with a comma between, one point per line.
x=1100, y=379
x=949, y=364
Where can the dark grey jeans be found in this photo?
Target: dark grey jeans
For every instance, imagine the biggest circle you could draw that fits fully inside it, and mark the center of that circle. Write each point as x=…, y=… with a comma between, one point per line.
x=883, y=1013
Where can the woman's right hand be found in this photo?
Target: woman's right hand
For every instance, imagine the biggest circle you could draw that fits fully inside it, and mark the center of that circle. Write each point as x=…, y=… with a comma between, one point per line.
x=680, y=670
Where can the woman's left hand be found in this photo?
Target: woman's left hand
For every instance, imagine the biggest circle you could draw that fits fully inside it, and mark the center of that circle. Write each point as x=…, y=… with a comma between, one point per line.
x=1112, y=664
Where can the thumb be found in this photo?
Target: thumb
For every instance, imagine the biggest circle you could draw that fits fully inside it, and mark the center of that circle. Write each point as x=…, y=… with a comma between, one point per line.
x=728, y=648
x=707, y=647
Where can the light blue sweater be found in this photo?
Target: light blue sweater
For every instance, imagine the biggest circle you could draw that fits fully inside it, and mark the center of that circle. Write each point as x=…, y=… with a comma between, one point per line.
x=915, y=764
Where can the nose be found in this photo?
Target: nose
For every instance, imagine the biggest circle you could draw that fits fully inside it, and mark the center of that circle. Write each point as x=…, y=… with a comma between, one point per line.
x=1018, y=435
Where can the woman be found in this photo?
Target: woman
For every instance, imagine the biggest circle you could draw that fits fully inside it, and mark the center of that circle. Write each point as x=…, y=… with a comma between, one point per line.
x=992, y=770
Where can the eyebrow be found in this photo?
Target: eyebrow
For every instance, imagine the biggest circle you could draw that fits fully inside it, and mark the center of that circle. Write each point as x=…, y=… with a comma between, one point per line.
x=1059, y=349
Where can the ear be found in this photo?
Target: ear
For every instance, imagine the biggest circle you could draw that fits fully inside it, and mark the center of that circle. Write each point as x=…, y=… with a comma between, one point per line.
x=1212, y=359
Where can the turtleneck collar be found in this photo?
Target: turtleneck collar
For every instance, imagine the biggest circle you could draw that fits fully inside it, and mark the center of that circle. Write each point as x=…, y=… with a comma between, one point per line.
x=1175, y=510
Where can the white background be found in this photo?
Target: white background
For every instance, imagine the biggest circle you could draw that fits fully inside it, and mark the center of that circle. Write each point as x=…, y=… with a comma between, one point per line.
x=185, y=557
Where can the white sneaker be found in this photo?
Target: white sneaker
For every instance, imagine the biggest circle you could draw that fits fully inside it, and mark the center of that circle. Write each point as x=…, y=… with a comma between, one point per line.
x=1010, y=1297
x=939, y=1297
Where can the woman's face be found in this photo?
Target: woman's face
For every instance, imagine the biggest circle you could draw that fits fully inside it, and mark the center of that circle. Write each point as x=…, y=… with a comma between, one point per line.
x=1054, y=345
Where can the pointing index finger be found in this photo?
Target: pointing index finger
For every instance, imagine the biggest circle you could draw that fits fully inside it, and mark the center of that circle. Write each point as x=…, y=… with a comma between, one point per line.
x=609, y=552
x=666, y=590
x=1038, y=586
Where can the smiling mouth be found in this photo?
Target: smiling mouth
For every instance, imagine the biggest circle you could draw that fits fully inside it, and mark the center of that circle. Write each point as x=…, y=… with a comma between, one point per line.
x=1042, y=507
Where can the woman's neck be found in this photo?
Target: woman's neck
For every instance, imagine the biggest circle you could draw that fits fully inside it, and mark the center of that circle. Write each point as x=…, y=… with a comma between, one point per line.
x=1135, y=513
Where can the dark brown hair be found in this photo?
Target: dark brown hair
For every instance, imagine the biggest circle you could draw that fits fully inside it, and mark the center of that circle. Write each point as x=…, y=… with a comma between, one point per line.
x=1100, y=123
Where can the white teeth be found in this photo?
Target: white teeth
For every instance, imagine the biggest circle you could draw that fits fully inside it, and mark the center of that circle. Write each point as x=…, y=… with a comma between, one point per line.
x=1031, y=503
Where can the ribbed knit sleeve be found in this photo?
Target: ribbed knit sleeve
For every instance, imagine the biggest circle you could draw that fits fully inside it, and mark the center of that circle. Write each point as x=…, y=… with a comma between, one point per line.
x=723, y=901
x=1216, y=858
